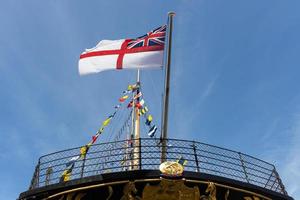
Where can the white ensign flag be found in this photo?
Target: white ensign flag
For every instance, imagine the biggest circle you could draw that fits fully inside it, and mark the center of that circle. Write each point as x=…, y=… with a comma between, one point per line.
x=143, y=52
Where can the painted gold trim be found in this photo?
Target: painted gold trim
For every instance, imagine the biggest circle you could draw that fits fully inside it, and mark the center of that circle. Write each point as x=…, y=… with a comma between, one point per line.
x=152, y=180
x=148, y=180
x=86, y=187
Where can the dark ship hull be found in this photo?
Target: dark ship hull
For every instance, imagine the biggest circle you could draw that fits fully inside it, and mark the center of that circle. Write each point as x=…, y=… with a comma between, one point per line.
x=149, y=185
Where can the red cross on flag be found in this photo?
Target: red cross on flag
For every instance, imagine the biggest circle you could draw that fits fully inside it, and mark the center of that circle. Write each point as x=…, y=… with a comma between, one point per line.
x=140, y=53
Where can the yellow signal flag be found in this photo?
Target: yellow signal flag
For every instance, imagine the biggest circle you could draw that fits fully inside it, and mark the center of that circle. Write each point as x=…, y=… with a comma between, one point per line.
x=106, y=122
x=123, y=98
x=143, y=111
x=150, y=118
x=132, y=87
x=66, y=175
x=129, y=87
x=83, y=151
x=182, y=161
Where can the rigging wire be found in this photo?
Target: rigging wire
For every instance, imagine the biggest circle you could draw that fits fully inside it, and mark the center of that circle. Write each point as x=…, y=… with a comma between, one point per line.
x=154, y=87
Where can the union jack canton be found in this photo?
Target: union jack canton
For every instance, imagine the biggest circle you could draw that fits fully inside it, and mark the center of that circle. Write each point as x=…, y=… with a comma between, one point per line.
x=153, y=38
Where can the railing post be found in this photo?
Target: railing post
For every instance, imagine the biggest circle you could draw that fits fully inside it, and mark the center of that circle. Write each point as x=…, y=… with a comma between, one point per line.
x=271, y=188
x=35, y=179
x=38, y=173
x=48, y=175
x=243, y=165
x=82, y=166
x=269, y=179
x=196, y=157
x=279, y=182
x=164, y=150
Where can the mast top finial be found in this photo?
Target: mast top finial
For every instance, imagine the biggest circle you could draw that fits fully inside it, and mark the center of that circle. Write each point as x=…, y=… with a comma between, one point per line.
x=171, y=13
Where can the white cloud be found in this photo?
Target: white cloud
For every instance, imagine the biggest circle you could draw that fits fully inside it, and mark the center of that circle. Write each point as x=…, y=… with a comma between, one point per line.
x=208, y=90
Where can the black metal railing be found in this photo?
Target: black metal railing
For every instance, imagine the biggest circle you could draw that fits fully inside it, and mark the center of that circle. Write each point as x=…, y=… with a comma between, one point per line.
x=120, y=156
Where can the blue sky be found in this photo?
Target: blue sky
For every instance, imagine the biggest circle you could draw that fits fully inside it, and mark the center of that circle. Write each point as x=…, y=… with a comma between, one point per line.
x=235, y=78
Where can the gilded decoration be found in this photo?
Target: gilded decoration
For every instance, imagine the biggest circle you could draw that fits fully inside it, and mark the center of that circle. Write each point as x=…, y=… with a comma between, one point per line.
x=73, y=196
x=211, y=191
x=171, y=168
x=170, y=190
x=130, y=192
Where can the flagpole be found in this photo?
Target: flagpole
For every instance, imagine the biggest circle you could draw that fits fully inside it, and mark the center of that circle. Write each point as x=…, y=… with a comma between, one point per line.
x=164, y=133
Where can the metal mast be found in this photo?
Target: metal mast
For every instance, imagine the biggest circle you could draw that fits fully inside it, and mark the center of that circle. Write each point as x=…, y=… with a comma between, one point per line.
x=164, y=133
x=137, y=138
